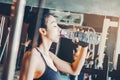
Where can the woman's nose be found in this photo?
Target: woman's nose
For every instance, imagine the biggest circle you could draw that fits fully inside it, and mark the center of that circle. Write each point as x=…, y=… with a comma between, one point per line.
x=59, y=28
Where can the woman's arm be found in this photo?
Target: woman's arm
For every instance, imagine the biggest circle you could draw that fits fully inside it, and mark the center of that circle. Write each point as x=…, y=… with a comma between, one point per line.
x=76, y=66
x=79, y=62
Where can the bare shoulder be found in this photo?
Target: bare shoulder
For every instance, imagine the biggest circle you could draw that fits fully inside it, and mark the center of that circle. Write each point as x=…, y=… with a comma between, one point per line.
x=32, y=56
x=28, y=56
x=36, y=59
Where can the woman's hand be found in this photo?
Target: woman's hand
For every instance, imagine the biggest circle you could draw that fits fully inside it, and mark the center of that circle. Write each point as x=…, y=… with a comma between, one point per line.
x=80, y=43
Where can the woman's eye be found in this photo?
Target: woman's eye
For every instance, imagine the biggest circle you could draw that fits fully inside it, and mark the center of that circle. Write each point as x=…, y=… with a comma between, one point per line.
x=55, y=26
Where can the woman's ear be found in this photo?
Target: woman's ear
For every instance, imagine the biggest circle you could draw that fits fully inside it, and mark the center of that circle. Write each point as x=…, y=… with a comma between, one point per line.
x=42, y=31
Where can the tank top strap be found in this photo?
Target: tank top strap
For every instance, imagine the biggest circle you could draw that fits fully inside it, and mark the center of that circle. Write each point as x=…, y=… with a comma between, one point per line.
x=41, y=55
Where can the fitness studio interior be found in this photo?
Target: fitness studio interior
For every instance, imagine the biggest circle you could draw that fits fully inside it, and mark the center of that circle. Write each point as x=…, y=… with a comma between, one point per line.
x=100, y=20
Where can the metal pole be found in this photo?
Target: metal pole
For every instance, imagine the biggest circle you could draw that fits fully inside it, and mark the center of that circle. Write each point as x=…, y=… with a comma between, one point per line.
x=10, y=63
x=36, y=33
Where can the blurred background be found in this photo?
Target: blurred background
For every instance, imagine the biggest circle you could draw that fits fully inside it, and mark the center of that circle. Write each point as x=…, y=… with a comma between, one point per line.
x=19, y=21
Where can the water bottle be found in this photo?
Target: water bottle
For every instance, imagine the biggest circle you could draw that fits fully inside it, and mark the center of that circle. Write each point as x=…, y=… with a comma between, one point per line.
x=87, y=37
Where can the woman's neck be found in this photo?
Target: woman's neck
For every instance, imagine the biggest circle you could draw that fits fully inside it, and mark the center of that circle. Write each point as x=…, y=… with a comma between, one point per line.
x=45, y=46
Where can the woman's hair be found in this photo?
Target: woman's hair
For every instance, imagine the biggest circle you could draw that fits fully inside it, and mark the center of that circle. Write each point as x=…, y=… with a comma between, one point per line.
x=44, y=16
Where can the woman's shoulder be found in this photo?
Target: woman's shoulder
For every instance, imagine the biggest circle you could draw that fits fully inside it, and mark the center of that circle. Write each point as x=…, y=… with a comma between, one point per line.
x=32, y=54
x=34, y=51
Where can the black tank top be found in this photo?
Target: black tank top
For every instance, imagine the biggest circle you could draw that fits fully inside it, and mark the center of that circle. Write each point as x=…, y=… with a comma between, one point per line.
x=49, y=73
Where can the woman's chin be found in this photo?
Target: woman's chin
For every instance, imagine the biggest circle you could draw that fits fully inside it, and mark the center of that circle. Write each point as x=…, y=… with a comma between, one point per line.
x=56, y=41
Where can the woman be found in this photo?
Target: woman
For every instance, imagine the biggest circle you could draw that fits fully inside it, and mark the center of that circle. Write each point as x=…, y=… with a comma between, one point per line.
x=44, y=65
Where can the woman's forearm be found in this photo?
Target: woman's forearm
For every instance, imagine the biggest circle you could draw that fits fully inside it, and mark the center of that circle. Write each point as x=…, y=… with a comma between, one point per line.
x=79, y=62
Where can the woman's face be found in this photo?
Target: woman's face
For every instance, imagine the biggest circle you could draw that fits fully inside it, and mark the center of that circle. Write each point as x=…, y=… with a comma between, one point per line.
x=53, y=30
